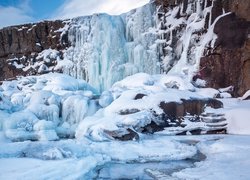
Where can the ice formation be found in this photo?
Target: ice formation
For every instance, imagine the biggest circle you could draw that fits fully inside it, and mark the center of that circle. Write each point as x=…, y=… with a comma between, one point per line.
x=106, y=49
x=45, y=107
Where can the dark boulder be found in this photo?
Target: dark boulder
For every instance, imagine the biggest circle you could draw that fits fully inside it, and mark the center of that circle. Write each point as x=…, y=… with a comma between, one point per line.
x=128, y=111
x=175, y=110
x=139, y=96
x=129, y=134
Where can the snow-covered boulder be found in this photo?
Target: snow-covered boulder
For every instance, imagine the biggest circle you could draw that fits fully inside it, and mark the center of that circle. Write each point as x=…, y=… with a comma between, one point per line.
x=147, y=104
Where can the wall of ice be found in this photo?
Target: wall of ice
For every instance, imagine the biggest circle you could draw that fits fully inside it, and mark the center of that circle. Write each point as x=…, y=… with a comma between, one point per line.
x=107, y=48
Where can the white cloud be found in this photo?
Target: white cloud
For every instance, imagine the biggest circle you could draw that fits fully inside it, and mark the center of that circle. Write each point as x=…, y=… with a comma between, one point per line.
x=13, y=16
x=74, y=8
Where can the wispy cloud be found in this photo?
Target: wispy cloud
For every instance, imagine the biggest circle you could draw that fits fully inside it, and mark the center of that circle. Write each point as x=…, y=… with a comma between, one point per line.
x=74, y=8
x=13, y=15
x=22, y=12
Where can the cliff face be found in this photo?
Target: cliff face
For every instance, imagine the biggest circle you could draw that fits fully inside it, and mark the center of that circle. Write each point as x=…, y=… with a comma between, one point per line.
x=206, y=40
x=21, y=45
x=227, y=62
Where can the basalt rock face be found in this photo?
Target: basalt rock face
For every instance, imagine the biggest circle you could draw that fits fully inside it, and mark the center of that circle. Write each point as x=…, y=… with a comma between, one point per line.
x=21, y=45
x=227, y=62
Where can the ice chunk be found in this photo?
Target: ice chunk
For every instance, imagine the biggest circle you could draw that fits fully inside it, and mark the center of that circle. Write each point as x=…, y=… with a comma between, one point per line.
x=45, y=105
x=19, y=126
x=44, y=125
x=5, y=103
x=74, y=109
x=46, y=135
x=106, y=99
x=3, y=117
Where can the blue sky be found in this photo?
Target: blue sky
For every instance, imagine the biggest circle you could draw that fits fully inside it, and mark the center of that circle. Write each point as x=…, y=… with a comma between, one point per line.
x=24, y=11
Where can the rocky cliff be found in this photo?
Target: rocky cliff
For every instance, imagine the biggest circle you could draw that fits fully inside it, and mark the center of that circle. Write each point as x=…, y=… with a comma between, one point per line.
x=21, y=45
x=225, y=61
x=229, y=62
x=206, y=41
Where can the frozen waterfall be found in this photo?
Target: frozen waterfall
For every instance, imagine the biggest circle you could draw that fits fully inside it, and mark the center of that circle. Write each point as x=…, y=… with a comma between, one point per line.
x=105, y=48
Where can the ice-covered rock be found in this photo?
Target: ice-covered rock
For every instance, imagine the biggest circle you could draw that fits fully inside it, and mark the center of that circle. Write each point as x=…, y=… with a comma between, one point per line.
x=45, y=107
x=106, y=99
x=74, y=109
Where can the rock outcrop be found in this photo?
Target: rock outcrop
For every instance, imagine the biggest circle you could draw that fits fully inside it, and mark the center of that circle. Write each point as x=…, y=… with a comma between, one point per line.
x=21, y=45
x=228, y=64
x=175, y=120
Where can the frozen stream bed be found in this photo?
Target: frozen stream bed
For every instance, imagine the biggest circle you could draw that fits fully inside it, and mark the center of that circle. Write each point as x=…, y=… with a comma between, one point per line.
x=155, y=157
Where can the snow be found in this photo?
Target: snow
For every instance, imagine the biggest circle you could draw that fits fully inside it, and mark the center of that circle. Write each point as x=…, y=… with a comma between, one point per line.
x=127, y=112
x=73, y=159
x=48, y=54
x=209, y=92
x=65, y=169
x=227, y=158
x=246, y=95
x=238, y=120
x=237, y=114
x=152, y=83
x=53, y=106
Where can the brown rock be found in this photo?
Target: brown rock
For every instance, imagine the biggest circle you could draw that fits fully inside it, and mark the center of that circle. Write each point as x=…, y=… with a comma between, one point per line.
x=232, y=31
x=228, y=64
x=177, y=110
x=28, y=40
